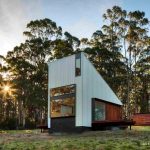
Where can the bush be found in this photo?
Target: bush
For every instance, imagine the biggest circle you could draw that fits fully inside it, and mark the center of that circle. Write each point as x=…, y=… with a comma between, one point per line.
x=30, y=124
x=8, y=124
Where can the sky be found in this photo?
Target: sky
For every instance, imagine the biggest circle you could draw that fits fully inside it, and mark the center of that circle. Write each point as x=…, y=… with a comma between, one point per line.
x=79, y=17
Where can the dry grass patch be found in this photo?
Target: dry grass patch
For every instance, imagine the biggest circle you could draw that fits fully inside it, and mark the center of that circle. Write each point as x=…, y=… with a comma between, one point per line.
x=138, y=138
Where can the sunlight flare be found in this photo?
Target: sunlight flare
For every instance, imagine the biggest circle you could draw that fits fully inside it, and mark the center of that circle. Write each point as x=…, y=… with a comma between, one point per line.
x=6, y=88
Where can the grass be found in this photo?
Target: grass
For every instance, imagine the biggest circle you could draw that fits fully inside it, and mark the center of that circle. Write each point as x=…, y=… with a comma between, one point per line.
x=136, y=139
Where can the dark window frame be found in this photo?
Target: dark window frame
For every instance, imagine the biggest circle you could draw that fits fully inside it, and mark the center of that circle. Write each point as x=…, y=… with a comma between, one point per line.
x=54, y=97
x=77, y=56
x=93, y=108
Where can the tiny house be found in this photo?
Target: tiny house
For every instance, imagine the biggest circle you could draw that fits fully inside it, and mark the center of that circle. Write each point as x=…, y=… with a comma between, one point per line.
x=78, y=95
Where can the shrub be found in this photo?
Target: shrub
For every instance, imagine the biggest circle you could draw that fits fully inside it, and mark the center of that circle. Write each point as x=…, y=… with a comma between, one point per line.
x=30, y=124
x=8, y=124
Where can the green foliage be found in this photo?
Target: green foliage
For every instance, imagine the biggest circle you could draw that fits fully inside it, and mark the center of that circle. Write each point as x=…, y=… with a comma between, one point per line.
x=8, y=124
x=28, y=71
x=120, y=52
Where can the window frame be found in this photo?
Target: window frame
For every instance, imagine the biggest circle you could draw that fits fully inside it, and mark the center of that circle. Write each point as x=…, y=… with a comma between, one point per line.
x=93, y=109
x=64, y=97
x=77, y=56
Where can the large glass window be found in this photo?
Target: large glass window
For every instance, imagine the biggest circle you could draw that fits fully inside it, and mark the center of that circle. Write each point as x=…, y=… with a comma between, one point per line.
x=63, y=101
x=63, y=107
x=62, y=90
x=99, y=111
x=78, y=65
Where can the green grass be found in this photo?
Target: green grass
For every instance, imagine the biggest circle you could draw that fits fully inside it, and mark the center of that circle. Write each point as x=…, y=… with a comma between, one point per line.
x=136, y=139
x=142, y=128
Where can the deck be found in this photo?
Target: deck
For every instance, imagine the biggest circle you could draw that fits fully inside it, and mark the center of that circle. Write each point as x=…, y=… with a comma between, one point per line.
x=107, y=124
x=141, y=119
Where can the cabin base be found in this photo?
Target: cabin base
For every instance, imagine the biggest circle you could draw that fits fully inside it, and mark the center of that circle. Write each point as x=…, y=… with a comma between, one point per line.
x=66, y=125
x=110, y=125
x=75, y=130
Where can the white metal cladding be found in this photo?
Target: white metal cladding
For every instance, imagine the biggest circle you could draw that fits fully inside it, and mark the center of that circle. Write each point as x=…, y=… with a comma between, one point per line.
x=62, y=72
x=89, y=85
x=79, y=106
x=94, y=86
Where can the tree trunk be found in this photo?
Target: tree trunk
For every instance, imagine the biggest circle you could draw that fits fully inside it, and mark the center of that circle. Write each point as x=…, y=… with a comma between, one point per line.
x=23, y=116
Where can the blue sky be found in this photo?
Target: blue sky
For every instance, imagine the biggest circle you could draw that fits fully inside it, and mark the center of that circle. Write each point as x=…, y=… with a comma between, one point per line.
x=79, y=17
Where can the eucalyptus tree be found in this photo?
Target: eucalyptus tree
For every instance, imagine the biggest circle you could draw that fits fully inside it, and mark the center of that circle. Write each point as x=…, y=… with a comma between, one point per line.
x=111, y=28
x=143, y=75
x=107, y=45
x=28, y=68
x=65, y=46
x=137, y=30
x=7, y=100
x=114, y=44
x=20, y=71
x=1, y=102
x=135, y=37
x=120, y=51
x=128, y=29
x=116, y=49
x=101, y=56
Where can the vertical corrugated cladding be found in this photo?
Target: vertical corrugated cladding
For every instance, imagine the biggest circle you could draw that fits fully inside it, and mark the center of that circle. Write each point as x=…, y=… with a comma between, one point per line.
x=113, y=112
x=79, y=92
x=87, y=93
x=94, y=86
x=60, y=73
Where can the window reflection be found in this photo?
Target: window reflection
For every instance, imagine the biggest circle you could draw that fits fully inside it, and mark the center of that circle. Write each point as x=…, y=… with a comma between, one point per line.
x=63, y=107
x=78, y=64
x=63, y=101
x=99, y=111
x=62, y=90
x=78, y=69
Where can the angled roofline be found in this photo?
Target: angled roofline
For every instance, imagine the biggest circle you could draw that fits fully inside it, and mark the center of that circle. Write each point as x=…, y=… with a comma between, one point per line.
x=102, y=78
x=49, y=62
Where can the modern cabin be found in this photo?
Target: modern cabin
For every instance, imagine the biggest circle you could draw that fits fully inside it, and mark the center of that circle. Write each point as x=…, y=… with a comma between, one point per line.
x=78, y=96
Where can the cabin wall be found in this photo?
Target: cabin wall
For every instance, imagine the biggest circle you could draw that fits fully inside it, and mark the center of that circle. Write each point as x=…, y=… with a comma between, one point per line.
x=78, y=105
x=62, y=73
x=94, y=86
x=89, y=85
x=113, y=112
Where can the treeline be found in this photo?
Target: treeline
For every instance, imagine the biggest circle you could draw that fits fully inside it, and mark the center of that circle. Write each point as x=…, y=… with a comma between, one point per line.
x=120, y=51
